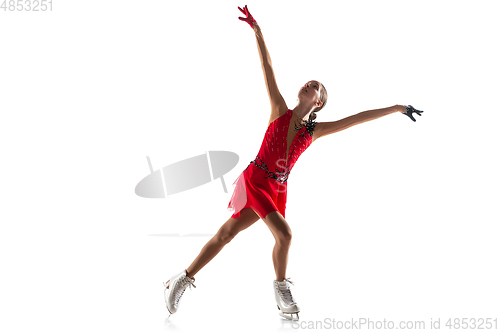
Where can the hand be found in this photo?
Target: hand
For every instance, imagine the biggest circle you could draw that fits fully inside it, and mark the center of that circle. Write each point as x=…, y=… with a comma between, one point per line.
x=409, y=110
x=249, y=18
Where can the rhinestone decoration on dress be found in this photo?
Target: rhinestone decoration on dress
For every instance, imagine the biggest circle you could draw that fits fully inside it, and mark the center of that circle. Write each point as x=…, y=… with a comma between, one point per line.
x=262, y=186
x=298, y=145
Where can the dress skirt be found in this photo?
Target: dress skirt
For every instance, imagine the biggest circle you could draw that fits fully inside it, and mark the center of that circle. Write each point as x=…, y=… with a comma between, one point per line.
x=253, y=190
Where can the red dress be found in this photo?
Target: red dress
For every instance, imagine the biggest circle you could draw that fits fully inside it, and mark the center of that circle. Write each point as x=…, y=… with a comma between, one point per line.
x=262, y=186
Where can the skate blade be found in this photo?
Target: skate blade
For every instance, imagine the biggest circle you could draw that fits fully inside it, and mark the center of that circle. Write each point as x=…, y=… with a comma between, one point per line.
x=289, y=316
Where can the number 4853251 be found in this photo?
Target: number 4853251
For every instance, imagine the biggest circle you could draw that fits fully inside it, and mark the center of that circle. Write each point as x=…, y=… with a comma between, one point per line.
x=26, y=5
x=472, y=323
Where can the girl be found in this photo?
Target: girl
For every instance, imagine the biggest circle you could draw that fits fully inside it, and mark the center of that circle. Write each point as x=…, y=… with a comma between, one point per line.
x=261, y=189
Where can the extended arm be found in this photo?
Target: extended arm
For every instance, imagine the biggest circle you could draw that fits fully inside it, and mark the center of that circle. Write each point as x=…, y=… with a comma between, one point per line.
x=330, y=127
x=278, y=105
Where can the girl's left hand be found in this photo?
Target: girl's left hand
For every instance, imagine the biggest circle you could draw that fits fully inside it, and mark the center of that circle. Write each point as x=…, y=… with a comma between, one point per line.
x=410, y=110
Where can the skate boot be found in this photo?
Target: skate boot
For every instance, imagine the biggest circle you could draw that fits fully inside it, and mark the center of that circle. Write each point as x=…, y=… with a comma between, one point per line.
x=284, y=299
x=174, y=289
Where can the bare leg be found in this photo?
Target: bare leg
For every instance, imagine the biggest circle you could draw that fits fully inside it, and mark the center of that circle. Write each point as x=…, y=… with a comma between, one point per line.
x=283, y=236
x=225, y=234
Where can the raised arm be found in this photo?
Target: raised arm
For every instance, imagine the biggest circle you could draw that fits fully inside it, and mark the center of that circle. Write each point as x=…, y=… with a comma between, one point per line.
x=325, y=128
x=278, y=105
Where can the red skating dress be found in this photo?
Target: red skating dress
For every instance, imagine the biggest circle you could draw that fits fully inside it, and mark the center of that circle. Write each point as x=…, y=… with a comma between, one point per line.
x=262, y=186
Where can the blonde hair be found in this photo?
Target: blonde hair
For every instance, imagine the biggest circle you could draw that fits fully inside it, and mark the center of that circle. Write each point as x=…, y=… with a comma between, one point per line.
x=323, y=97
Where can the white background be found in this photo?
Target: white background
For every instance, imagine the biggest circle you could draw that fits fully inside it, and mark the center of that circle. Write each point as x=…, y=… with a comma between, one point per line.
x=390, y=219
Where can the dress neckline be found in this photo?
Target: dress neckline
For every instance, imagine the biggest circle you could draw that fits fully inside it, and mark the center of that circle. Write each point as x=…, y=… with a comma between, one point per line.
x=287, y=154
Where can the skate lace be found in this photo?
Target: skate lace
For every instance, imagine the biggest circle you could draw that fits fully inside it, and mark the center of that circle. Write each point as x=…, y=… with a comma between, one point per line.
x=181, y=287
x=286, y=294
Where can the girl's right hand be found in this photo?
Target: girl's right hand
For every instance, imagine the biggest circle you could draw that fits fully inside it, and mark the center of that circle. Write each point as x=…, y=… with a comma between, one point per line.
x=249, y=18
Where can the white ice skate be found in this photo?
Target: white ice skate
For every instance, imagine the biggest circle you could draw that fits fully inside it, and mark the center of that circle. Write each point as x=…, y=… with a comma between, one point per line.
x=174, y=289
x=284, y=299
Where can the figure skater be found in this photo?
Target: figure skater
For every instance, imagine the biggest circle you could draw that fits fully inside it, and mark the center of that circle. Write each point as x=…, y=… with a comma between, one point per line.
x=261, y=189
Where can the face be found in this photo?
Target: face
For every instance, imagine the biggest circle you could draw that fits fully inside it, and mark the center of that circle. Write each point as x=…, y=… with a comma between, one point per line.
x=310, y=92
